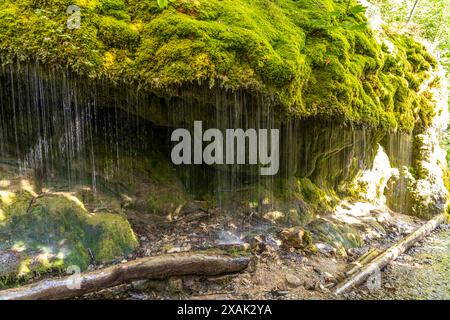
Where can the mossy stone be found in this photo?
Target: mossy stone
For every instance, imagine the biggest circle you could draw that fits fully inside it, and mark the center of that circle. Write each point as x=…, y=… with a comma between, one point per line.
x=317, y=58
x=55, y=231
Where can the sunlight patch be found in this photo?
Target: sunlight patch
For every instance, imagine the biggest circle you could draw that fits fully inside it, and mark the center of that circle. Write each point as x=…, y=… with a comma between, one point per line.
x=69, y=196
x=26, y=185
x=7, y=197
x=5, y=183
x=2, y=215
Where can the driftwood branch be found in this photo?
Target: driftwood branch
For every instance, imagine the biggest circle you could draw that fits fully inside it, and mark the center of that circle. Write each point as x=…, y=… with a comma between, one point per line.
x=389, y=255
x=157, y=267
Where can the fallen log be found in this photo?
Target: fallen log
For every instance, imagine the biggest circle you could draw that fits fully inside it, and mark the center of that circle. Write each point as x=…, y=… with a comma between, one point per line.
x=158, y=267
x=389, y=255
x=362, y=261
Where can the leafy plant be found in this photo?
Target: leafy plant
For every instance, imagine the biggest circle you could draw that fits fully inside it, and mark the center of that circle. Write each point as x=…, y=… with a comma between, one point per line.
x=357, y=9
x=355, y=26
x=346, y=21
x=163, y=3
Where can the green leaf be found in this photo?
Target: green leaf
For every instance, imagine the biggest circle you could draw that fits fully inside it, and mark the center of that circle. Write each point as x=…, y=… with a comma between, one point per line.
x=355, y=26
x=358, y=27
x=357, y=9
x=335, y=13
x=163, y=3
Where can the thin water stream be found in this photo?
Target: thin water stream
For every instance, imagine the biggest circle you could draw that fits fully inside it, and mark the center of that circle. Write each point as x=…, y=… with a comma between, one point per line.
x=71, y=131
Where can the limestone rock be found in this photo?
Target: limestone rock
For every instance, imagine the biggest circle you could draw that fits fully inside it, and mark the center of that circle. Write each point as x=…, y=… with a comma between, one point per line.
x=274, y=216
x=293, y=237
x=293, y=280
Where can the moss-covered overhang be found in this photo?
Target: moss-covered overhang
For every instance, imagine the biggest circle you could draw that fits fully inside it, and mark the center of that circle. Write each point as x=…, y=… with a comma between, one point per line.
x=317, y=58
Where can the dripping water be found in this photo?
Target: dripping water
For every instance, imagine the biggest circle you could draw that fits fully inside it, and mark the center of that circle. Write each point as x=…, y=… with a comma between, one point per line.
x=73, y=131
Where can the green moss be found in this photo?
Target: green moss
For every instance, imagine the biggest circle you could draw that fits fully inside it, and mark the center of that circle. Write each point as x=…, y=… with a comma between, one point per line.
x=301, y=200
x=307, y=239
x=54, y=231
x=316, y=57
x=116, y=33
x=314, y=195
x=109, y=236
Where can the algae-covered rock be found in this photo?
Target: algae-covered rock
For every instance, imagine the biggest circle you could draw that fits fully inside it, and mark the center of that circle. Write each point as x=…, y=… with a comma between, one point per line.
x=428, y=191
x=52, y=231
x=340, y=236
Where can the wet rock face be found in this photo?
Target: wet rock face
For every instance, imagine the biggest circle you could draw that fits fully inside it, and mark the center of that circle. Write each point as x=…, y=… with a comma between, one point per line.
x=399, y=149
x=66, y=127
x=71, y=131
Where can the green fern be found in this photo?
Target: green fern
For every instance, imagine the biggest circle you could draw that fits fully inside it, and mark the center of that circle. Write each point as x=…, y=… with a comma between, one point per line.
x=357, y=9
x=163, y=3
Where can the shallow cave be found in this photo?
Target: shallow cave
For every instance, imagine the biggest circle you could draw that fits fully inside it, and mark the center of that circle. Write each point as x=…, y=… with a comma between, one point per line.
x=73, y=131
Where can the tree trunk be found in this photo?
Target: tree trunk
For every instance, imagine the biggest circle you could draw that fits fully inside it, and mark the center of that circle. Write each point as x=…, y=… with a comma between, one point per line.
x=157, y=267
x=389, y=255
x=411, y=14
